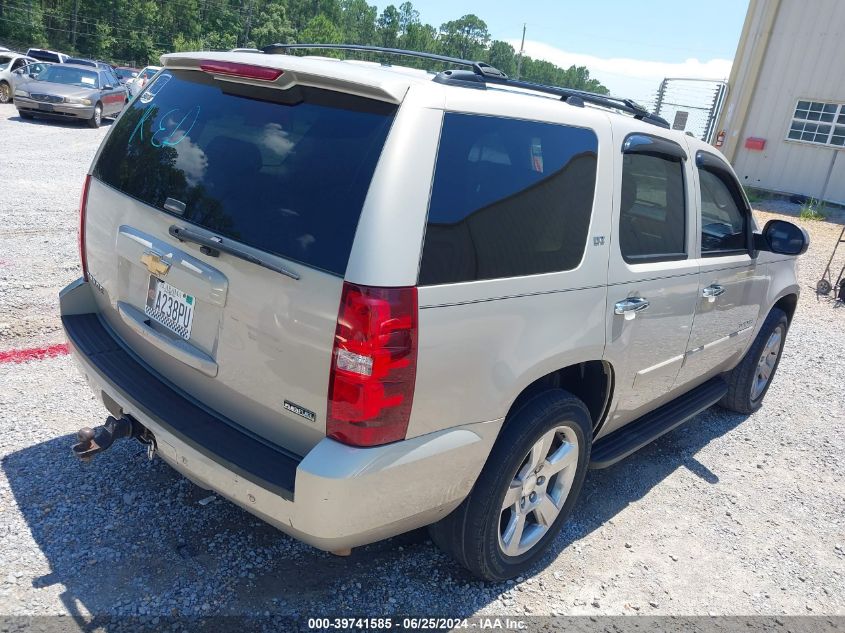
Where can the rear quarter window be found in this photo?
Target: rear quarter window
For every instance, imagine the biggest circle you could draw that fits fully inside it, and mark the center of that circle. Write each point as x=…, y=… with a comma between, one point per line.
x=285, y=171
x=509, y=198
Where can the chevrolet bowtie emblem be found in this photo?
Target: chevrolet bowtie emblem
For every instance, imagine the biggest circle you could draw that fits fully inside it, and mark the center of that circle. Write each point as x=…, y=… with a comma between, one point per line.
x=155, y=264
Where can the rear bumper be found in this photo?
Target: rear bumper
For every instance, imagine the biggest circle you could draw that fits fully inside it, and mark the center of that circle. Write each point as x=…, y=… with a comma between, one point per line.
x=335, y=497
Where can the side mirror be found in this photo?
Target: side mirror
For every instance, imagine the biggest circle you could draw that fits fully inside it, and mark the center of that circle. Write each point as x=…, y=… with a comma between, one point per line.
x=19, y=71
x=783, y=238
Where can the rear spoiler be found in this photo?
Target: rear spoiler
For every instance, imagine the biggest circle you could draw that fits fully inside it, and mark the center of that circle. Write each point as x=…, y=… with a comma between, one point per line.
x=295, y=71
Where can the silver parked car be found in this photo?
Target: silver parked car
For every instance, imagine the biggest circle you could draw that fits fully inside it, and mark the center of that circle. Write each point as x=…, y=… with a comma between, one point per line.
x=67, y=91
x=357, y=300
x=10, y=63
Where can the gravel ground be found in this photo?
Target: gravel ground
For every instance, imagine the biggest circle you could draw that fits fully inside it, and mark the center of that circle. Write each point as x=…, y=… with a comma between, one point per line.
x=726, y=515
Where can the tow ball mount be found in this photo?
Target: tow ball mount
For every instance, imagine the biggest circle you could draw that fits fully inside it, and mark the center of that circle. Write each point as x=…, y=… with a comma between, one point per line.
x=96, y=440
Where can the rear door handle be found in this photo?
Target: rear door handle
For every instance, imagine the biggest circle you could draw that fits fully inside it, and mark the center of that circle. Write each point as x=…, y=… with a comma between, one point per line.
x=712, y=291
x=630, y=306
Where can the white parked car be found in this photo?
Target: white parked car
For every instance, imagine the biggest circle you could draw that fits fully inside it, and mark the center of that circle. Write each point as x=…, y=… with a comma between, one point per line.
x=9, y=63
x=137, y=84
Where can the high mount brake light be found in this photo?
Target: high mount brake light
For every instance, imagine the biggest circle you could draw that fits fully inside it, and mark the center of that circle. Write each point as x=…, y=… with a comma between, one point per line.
x=83, y=204
x=247, y=71
x=374, y=365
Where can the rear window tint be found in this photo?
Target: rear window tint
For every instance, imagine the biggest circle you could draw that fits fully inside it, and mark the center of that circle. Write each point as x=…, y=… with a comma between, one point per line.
x=509, y=198
x=285, y=171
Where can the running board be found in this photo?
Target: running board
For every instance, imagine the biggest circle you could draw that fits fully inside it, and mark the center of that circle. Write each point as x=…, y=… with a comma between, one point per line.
x=633, y=436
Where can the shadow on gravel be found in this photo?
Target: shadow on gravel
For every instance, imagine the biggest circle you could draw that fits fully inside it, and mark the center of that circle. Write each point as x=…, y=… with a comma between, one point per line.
x=72, y=123
x=124, y=536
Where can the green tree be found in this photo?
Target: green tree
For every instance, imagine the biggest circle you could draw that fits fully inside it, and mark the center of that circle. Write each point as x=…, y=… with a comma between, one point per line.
x=421, y=37
x=387, y=27
x=357, y=22
x=139, y=31
x=272, y=27
x=502, y=56
x=466, y=37
x=321, y=30
x=408, y=17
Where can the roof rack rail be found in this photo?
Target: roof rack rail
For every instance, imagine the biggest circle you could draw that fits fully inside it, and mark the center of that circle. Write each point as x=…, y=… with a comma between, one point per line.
x=483, y=74
x=568, y=95
x=480, y=69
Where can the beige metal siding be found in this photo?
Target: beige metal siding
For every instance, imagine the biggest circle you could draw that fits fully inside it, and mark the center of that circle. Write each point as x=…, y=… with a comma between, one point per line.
x=804, y=59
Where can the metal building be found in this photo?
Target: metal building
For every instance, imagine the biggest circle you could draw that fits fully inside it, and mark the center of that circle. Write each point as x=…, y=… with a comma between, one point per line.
x=783, y=124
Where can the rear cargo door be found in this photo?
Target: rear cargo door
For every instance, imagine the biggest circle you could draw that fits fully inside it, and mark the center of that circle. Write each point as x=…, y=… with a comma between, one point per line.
x=219, y=224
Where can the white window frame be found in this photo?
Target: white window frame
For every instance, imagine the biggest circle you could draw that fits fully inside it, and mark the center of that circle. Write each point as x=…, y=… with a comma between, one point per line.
x=838, y=121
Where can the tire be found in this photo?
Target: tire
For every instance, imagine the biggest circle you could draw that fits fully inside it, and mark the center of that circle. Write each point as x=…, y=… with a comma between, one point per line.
x=25, y=115
x=746, y=387
x=96, y=119
x=478, y=533
x=5, y=93
x=823, y=287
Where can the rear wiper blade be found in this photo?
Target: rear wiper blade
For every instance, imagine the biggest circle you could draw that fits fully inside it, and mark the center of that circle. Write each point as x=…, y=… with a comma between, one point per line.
x=214, y=247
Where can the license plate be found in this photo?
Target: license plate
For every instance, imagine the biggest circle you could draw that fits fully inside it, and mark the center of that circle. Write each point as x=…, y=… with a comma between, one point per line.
x=170, y=306
x=47, y=107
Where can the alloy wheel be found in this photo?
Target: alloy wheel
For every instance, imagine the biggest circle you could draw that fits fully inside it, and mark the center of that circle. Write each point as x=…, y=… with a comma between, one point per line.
x=766, y=364
x=538, y=491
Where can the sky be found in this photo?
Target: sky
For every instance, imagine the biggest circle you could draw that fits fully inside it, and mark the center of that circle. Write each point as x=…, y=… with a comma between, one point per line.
x=629, y=45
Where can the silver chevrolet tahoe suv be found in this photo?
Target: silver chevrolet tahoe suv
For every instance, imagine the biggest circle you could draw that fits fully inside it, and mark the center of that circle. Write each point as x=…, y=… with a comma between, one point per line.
x=357, y=299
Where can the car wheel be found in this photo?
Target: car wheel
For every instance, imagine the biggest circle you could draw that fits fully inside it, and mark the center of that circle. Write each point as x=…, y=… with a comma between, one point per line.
x=525, y=492
x=5, y=92
x=749, y=381
x=96, y=119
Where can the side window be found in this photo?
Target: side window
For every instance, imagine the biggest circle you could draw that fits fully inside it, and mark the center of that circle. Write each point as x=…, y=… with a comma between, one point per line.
x=509, y=198
x=652, y=218
x=20, y=61
x=724, y=222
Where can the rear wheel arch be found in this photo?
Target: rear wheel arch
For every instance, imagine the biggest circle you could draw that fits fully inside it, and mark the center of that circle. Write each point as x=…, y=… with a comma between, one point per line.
x=590, y=381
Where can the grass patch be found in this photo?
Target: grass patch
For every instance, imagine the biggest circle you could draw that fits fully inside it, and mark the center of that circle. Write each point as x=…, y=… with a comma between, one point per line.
x=812, y=210
x=752, y=194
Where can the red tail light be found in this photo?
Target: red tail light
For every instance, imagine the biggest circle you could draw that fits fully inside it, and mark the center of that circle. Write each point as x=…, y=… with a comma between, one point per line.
x=83, y=203
x=374, y=365
x=248, y=71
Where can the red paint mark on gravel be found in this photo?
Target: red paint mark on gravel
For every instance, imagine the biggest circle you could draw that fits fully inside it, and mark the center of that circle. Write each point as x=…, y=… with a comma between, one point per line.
x=34, y=353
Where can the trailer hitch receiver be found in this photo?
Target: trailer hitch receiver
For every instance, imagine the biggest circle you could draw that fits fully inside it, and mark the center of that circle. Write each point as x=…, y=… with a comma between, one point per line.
x=96, y=440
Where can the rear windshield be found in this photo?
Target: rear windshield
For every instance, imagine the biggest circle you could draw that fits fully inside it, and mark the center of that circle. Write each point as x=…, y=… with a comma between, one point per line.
x=43, y=55
x=70, y=76
x=285, y=171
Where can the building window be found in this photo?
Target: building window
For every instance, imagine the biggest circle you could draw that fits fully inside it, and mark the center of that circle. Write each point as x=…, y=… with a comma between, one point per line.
x=817, y=122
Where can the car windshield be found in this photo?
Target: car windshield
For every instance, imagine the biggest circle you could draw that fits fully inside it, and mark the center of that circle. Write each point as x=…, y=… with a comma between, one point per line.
x=149, y=72
x=35, y=68
x=70, y=76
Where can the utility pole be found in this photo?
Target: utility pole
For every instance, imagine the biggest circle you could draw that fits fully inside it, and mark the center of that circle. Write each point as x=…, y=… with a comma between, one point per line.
x=75, y=14
x=521, y=49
